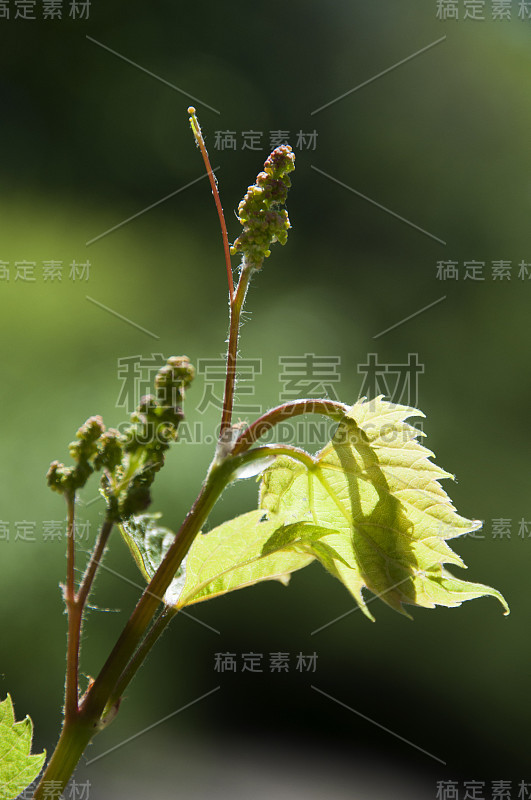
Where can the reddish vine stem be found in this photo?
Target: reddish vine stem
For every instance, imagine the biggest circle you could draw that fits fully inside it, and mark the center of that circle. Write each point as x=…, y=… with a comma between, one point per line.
x=75, y=603
x=214, y=185
x=95, y=559
x=236, y=298
x=70, y=545
x=274, y=416
x=74, y=622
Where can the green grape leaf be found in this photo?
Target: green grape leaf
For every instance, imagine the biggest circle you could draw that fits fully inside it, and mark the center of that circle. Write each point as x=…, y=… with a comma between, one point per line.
x=149, y=543
x=243, y=551
x=376, y=489
x=18, y=767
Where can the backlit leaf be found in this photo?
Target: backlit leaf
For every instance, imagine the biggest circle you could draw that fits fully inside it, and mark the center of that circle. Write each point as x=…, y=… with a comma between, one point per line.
x=18, y=767
x=375, y=487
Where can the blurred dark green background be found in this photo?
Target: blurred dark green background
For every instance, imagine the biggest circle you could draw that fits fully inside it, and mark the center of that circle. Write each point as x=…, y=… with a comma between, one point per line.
x=88, y=140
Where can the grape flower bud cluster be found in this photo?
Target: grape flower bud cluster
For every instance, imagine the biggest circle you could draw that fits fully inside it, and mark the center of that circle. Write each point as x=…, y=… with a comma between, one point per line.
x=128, y=460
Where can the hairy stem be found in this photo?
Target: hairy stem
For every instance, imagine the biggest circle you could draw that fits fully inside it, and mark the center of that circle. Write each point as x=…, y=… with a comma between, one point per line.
x=214, y=185
x=236, y=298
x=72, y=743
x=74, y=621
x=76, y=733
x=232, y=351
x=158, y=627
x=274, y=416
x=94, y=562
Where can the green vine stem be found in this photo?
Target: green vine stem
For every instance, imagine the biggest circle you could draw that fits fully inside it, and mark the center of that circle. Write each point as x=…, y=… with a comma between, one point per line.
x=142, y=615
x=236, y=306
x=158, y=627
x=74, y=739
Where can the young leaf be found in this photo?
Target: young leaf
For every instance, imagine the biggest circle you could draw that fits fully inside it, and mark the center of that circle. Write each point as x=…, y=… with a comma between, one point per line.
x=376, y=489
x=244, y=551
x=18, y=768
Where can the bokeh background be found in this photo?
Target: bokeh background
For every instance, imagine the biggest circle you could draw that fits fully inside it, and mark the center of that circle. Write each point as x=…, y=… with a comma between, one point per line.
x=89, y=140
